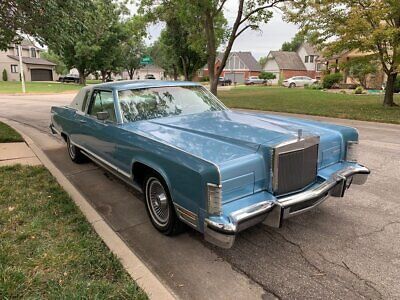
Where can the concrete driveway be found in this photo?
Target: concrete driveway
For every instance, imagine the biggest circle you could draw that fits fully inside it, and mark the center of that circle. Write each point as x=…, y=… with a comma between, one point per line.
x=346, y=248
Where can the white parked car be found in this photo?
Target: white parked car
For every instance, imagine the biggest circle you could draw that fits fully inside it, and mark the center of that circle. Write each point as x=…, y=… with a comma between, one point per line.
x=298, y=81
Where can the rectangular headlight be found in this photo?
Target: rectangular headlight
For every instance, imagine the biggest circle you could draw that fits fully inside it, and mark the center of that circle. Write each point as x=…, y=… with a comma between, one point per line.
x=352, y=151
x=214, y=199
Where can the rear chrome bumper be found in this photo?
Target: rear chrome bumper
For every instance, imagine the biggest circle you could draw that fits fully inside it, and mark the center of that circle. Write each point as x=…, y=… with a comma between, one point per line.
x=272, y=213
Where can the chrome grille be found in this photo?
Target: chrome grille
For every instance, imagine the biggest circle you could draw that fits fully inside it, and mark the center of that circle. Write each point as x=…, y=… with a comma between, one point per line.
x=295, y=165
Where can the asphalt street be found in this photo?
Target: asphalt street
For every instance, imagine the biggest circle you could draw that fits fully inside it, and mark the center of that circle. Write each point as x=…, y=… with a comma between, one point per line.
x=347, y=248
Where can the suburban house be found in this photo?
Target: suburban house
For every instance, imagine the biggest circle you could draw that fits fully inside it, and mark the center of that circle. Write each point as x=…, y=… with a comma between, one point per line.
x=239, y=66
x=336, y=63
x=302, y=62
x=34, y=67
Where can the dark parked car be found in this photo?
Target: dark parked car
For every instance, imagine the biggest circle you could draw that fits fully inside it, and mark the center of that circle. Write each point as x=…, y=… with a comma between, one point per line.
x=69, y=78
x=224, y=81
x=149, y=76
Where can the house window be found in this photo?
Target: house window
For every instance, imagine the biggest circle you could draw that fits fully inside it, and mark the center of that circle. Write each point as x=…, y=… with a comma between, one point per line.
x=17, y=50
x=311, y=58
x=14, y=69
x=306, y=59
x=33, y=52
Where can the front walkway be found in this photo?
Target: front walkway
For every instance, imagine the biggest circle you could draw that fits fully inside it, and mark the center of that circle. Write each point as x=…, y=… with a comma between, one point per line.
x=17, y=153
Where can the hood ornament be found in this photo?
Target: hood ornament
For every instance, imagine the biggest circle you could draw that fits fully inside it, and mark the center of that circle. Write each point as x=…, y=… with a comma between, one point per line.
x=299, y=134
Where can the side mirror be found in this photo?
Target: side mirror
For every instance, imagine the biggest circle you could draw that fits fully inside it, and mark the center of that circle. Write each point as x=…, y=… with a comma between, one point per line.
x=103, y=115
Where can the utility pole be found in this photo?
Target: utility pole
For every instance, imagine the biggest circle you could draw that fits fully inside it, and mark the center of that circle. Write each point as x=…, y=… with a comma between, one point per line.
x=21, y=71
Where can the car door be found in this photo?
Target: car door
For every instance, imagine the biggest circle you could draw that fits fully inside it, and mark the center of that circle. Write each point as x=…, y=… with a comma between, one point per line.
x=99, y=135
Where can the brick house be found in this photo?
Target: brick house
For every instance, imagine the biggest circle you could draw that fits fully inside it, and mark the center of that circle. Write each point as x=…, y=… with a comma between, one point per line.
x=239, y=66
x=34, y=67
x=302, y=62
x=336, y=64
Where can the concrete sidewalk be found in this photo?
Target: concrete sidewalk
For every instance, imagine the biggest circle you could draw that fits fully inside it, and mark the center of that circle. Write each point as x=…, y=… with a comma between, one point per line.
x=17, y=153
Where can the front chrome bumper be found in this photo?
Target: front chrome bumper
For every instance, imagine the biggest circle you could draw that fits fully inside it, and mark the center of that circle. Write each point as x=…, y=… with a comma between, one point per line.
x=272, y=213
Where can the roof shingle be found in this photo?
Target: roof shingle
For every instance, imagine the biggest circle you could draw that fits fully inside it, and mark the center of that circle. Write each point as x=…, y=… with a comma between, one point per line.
x=288, y=60
x=33, y=61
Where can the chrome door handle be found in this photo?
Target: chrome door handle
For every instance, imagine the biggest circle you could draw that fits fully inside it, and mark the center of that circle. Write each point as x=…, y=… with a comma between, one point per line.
x=82, y=121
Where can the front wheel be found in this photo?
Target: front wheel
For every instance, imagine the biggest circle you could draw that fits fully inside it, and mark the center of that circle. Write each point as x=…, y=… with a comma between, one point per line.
x=75, y=153
x=292, y=85
x=159, y=206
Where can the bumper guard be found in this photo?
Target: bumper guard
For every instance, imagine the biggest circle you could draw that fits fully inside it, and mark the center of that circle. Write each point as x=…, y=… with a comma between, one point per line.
x=272, y=213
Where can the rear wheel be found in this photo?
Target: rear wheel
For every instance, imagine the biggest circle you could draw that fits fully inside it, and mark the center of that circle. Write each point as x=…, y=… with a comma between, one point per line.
x=75, y=153
x=160, y=207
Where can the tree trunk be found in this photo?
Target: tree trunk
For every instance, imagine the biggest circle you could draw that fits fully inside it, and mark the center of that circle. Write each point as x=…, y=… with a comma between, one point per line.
x=184, y=68
x=175, y=73
x=130, y=73
x=82, y=77
x=388, y=101
x=103, y=75
x=211, y=51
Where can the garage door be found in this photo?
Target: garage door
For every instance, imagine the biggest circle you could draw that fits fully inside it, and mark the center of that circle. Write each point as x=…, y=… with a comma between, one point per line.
x=235, y=77
x=41, y=75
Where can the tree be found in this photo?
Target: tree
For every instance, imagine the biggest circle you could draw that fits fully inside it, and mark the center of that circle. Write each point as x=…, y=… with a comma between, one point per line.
x=295, y=43
x=183, y=45
x=42, y=19
x=371, y=26
x=250, y=14
x=95, y=45
x=262, y=61
x=165, y=56
x=133, y=48
x=360, y=67
x=61, y=68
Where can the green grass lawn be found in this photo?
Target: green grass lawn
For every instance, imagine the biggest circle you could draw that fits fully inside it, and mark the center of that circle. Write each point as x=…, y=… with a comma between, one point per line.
x=47, y=248
x=312, y=102
x=93, y=81
x=9, y=135
x=13, y=87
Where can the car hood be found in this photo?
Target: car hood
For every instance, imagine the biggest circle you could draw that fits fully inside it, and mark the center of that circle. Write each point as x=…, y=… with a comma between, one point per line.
x=226, y=135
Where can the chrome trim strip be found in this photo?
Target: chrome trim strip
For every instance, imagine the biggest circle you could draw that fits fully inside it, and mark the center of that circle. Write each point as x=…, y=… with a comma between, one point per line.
x=286, y=147
x=102, y=160
x=186, y=215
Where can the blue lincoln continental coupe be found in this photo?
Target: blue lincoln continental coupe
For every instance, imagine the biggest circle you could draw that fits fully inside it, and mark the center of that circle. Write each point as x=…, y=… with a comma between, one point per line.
x=197, y=162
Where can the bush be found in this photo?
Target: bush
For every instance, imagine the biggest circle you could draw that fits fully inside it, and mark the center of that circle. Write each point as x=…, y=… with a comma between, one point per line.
x=314, y=86
x=267, y=75
x=5, y=75
x=204, y=79
x=331, y=79
x=359, y=90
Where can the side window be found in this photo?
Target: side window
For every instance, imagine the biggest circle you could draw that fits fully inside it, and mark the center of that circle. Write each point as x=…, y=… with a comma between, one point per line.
x=85, y=101
x=102, y=101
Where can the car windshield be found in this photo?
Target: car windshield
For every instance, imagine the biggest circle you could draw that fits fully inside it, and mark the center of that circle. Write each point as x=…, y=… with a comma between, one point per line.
x=152, y=103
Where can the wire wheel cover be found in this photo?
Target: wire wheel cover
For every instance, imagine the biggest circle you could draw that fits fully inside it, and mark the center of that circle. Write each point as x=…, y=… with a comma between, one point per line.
x=157, y=201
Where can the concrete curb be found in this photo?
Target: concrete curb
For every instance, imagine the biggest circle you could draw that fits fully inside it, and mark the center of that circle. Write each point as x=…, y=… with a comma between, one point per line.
x=132, y=263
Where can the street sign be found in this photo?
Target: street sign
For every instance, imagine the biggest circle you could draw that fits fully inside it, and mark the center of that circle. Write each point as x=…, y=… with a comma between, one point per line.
x=146, y=60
